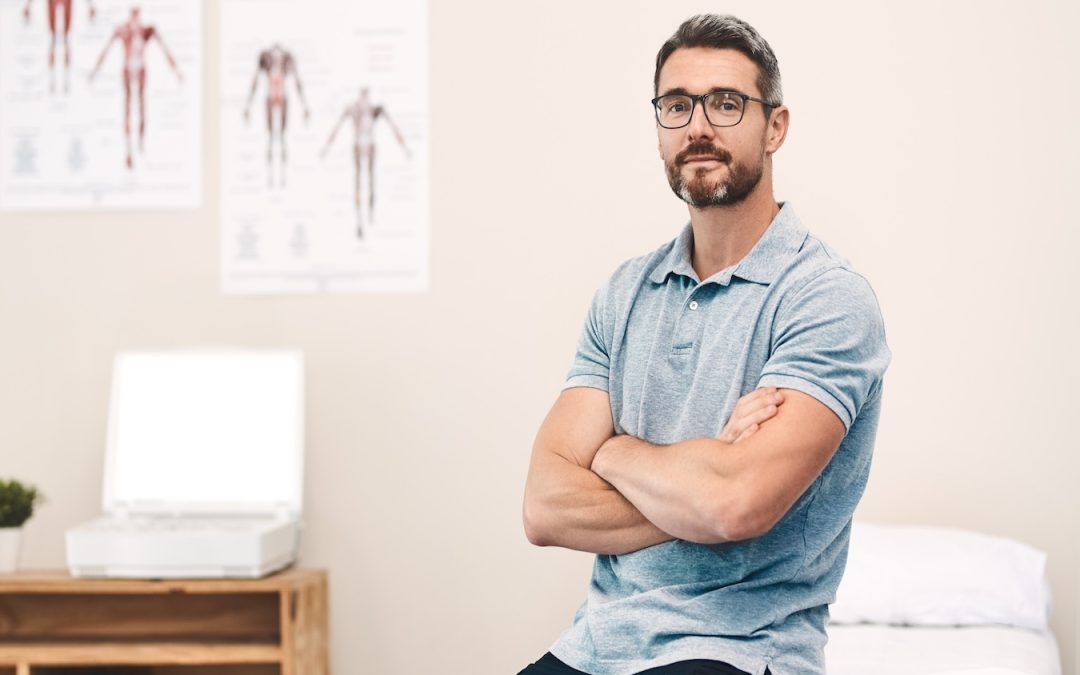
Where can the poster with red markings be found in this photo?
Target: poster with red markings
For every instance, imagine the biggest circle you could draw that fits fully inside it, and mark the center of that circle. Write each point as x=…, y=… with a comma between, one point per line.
x=324, y=154
x=100, y=104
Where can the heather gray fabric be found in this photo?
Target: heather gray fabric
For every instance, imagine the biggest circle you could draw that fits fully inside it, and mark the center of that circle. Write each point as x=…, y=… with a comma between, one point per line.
x=675, y=355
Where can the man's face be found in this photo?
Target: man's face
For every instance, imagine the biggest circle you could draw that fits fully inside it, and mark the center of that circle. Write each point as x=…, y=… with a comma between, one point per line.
x=707, y=165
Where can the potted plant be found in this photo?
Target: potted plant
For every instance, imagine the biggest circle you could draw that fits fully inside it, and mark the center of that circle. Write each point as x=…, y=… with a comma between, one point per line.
x=17, y=502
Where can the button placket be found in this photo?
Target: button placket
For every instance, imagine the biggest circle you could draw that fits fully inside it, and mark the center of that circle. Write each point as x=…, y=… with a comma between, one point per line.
x=689, y=326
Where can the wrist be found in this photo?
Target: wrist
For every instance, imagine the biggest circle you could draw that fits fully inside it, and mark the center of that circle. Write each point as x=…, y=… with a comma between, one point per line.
x=602, y=459
x=599, y=458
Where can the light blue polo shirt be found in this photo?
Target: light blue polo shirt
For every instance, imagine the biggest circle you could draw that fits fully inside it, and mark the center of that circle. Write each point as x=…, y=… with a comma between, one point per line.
x=675, y=354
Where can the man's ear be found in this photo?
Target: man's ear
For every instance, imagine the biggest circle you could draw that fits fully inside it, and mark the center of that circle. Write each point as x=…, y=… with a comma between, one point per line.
x=777, y=129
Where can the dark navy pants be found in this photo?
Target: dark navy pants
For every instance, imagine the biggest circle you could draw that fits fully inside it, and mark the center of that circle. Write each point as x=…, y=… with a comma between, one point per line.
x=549, y=665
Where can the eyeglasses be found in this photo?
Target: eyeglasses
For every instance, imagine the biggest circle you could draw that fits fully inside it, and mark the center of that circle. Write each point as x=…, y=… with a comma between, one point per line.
x=722, y=108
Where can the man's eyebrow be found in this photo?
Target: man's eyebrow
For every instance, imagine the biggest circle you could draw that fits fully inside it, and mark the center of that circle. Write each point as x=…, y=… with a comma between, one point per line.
x=683, y=92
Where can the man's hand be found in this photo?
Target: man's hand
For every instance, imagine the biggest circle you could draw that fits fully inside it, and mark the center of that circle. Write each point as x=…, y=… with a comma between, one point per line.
x=750, y=411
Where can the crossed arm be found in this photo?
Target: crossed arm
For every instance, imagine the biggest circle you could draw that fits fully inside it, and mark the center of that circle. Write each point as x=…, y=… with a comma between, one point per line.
x=566, y=503
x=591, y=490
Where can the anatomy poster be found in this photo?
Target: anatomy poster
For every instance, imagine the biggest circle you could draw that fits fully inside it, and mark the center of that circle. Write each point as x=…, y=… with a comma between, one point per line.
x=100, y=104
x=324, y=146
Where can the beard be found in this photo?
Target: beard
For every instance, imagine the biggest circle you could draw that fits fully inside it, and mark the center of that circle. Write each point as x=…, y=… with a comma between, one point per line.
x=701, y=193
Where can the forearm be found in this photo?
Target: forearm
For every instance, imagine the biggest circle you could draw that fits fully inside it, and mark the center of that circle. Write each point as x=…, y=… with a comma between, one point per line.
x=570, y=506
x=687, y=489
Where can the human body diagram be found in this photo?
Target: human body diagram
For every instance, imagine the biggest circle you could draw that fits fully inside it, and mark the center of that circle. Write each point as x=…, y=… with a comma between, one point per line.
x=364, y=113
x=134, y=35
x=277, y=64
x=57, y=11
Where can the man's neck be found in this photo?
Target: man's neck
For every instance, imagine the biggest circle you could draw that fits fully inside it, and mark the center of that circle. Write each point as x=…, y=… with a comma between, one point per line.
x=723, y=235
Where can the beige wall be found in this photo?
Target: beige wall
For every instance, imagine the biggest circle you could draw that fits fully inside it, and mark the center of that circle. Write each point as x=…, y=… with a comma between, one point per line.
x=934, y=144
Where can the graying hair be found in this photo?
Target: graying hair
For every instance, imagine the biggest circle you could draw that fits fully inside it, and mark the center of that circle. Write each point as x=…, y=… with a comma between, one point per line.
x=726, y=32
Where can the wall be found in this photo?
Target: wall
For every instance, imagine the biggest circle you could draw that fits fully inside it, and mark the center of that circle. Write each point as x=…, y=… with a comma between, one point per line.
x=932, y=143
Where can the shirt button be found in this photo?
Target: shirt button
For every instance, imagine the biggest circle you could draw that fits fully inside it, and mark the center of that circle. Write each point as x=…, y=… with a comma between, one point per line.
x=693, y=304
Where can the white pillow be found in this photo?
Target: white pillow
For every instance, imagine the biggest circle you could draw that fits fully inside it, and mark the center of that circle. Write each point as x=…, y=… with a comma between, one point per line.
x=941, y=577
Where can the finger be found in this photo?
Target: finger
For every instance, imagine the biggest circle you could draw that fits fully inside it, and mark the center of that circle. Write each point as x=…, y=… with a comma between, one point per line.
x=753, y=408
x=754, y=398
x=753, y=405
x=746, y=403
x=747, y=433
x=731, y=431
x=754, y=419
x=759, y=416
x=735, y=428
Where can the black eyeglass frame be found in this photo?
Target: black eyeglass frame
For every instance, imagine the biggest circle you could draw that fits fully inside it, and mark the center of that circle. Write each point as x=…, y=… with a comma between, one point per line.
x=700, y=98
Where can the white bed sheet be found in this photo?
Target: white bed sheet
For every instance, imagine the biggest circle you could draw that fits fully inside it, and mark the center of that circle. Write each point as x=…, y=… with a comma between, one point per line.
x=916, y=650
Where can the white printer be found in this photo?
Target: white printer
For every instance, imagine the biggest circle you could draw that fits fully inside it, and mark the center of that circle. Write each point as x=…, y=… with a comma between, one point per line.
x=203, y=467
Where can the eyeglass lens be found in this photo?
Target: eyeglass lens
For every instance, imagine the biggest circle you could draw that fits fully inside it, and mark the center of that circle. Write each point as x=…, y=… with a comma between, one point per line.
x=721, y=109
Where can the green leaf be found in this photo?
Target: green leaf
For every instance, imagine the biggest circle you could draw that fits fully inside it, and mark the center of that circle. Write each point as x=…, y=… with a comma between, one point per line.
x=17, y=502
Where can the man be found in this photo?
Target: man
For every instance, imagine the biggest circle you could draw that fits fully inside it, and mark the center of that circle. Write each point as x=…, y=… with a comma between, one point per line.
x=715, y=431
x=134, y=35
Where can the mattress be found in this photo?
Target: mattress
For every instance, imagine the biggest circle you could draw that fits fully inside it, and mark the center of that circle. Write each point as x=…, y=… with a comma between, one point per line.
x=872, y=649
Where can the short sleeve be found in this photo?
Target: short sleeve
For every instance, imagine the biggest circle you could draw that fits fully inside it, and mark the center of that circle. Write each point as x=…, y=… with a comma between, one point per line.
x=829, y=343
x=592, y=363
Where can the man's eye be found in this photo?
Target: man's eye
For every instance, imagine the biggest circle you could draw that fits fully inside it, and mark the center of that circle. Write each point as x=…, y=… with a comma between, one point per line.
x=677, y=107
x=725, y=104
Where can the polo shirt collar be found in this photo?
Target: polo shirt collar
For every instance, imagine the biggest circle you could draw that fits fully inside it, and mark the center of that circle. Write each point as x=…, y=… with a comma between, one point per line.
x=783, y=238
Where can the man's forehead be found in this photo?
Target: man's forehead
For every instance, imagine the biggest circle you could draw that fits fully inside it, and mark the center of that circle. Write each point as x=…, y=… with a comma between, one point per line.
x=702, y=69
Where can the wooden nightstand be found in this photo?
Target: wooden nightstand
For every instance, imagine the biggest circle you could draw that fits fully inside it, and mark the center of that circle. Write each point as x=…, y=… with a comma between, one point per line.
x=276, y=625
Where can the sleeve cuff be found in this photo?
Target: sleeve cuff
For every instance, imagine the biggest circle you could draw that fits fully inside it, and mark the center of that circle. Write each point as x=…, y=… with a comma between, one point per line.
x=810, y=389
x=586, y=380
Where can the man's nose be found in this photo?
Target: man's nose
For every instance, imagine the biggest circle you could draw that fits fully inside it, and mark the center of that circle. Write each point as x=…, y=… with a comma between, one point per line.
x=699, y=126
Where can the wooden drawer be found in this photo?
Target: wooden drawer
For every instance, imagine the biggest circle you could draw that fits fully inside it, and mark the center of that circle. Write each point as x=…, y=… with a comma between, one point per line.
x=53, y=624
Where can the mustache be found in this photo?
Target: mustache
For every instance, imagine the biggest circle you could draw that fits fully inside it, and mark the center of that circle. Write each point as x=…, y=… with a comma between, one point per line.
x=699, y=148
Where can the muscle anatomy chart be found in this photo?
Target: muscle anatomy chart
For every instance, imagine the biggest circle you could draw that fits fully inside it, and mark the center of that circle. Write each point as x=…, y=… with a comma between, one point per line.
x=363, y=114
x=100, y=104
x=58, y=14
x=335, y=199
x=135, y=35
x=276, y=65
